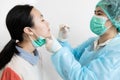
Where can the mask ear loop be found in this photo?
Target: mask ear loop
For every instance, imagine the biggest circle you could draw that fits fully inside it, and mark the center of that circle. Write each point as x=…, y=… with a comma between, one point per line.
x=109, y=26
x=36, y=36
x=31, y=34
x=31, y=39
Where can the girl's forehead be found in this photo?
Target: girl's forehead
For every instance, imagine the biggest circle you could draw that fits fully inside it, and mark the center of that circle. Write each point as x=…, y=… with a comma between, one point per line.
x=36, y=12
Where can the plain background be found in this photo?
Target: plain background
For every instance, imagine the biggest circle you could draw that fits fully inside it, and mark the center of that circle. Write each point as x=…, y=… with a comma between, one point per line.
x=76, y=13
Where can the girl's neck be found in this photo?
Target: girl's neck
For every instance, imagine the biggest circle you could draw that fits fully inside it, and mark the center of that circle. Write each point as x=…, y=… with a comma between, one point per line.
x=27, y=46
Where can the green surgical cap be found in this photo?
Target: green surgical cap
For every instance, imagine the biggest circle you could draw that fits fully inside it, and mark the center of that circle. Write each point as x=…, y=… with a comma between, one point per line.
x=112, y=9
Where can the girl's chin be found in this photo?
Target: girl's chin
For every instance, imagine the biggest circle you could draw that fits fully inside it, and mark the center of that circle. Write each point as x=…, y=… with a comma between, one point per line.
x=49, y=36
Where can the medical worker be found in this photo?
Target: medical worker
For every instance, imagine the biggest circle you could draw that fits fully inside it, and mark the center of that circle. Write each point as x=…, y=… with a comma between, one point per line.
x=19, y=59
x=98, y=58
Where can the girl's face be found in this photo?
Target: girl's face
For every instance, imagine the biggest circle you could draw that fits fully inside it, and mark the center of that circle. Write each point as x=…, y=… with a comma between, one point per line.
x=41, y=26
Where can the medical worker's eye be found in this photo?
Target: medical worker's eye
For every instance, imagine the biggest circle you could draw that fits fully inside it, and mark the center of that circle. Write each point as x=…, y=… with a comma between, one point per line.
x=99, y=13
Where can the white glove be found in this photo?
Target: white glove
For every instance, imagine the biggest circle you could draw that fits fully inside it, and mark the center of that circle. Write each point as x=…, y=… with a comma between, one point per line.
x=63, y=34
x=52, y=45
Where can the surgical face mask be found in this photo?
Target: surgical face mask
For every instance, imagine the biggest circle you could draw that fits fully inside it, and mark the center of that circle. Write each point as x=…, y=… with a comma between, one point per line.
x=97, y=25
x=40, y=41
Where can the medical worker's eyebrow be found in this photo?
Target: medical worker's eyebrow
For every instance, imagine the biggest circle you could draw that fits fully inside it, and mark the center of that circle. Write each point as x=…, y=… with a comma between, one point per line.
x=98, y=11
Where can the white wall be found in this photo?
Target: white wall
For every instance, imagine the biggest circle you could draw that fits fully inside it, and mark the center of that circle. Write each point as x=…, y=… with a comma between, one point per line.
x=76, y=13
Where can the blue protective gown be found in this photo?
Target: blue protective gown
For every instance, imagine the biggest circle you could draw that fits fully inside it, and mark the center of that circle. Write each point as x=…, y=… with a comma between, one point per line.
x=83, y=63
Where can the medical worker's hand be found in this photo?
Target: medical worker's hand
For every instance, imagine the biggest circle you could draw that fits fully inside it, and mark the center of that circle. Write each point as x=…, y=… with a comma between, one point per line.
x=52, y=45
x=63, y=34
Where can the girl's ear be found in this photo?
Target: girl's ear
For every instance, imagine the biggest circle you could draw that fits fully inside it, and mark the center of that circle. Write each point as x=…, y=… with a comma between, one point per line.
x=28, y=31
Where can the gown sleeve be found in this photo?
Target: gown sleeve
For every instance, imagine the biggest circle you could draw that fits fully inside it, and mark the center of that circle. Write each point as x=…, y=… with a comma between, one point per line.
x=77, y=51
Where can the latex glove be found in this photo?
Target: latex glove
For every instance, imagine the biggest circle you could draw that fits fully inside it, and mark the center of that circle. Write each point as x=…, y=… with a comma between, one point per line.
x=63, y=34
x=52, y=45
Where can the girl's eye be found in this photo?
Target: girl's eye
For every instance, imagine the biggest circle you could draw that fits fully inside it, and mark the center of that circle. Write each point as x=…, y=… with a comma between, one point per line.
x=42, y=20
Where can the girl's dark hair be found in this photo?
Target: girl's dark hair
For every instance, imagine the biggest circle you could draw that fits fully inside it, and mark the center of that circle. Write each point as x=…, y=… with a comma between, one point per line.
x=17, y=19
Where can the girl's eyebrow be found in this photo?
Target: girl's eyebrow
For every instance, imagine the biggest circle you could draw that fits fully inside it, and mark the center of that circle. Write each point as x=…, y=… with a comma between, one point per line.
x=41, y=15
